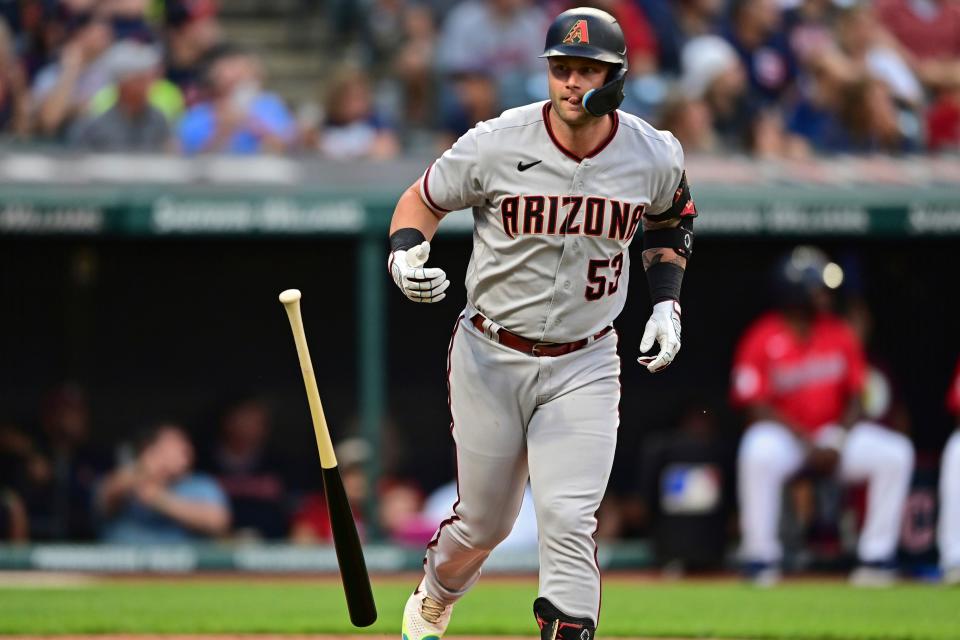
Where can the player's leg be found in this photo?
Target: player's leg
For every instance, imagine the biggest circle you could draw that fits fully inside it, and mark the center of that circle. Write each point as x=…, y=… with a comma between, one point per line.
x=883, y=458
x=769, y=454
x=948, y=528
x=571, y=439
x=491, y=396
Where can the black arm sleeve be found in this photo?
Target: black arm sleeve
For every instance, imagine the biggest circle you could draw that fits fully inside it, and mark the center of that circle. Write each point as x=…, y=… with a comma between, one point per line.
x=406, y=238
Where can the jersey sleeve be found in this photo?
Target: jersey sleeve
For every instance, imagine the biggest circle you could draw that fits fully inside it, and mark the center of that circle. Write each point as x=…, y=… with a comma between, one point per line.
x=750, y=377
x=953, y=395
x=673, y=199
x=453, y=182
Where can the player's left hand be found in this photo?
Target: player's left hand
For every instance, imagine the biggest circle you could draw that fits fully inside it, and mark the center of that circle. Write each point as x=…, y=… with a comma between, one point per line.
x=664, y=327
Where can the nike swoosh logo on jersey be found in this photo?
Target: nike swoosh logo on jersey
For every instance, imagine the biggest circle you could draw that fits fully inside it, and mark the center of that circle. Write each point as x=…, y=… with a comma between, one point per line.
x=524, y=167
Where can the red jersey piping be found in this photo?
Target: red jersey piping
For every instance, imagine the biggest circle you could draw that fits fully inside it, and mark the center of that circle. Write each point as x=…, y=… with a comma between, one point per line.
x=570, y=154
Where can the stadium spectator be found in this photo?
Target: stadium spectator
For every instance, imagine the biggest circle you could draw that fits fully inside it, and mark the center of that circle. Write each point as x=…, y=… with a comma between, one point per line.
x=756, y=31
x=14, y=93
x=948, y=529
x=501, y=37
x=872, y=54
x=814, y=116
x=14, y=526
x=850, y=113
x=249, y=473
x=132, y=124
x=804, y=62
x=930, y=31
x=352, y=128
x=943, y=121
x=62, y=467
x=799, y=374
x=475, y=100
x=768, y=138
x=383, y=29
x=713, y=73
x=128, y=19
x=311, y=522
x=237, y=116
x=413, y=66
x=810, y=29
x=675, y=22
x=157, y=498
x=62, y=89
x=690, y=120
x=402, y=516
x=193, y=31
x=869, y=119
x=18, y=461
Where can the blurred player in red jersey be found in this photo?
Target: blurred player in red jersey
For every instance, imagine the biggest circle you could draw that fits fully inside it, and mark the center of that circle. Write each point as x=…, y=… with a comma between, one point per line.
x=799, y=373
x=948, y=533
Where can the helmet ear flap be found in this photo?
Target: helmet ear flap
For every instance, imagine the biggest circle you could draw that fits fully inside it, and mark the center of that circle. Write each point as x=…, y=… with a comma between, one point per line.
x=600, y=102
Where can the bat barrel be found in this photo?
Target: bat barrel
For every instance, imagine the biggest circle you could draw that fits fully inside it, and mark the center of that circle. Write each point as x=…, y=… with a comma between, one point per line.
x=346, y=541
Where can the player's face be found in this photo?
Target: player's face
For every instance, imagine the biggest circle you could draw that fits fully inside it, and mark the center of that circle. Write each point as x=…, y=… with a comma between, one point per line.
x=568, y=79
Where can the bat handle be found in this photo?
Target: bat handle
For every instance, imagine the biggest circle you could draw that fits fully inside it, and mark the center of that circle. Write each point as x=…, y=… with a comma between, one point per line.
x=291, y=303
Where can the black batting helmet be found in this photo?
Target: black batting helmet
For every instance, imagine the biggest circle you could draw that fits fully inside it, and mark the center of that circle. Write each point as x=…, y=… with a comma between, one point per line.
x=585, y=32
x=802, y=272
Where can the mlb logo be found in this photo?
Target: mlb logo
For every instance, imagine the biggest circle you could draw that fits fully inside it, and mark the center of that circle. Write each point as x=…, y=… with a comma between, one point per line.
x=690, y=489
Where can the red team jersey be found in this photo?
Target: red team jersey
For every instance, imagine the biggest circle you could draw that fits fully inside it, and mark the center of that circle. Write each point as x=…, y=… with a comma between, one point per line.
x=953, y=395
x=807, y=381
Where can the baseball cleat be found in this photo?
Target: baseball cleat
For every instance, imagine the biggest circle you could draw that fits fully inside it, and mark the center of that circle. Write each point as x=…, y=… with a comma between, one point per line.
x=762, y=574
x=424, y=618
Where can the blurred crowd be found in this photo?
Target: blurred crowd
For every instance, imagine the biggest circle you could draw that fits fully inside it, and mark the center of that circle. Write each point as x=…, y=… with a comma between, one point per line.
x=771, y=78
x=165, y=484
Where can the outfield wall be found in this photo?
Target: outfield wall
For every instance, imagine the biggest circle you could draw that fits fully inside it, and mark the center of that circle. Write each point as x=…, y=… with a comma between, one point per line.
x=269, y=558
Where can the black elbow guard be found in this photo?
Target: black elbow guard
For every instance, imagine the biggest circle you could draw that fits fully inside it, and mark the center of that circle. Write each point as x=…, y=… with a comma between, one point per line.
x=679, y=238
x=681, y=207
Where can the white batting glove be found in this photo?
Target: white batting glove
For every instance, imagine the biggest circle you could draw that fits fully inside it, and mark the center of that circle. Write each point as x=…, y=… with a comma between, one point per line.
x=417, y=283
x=664, y=327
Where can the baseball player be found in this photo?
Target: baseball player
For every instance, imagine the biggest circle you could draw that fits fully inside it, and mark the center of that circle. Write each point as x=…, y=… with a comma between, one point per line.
x=558, y=191
x=799, y=372
x=948, y=527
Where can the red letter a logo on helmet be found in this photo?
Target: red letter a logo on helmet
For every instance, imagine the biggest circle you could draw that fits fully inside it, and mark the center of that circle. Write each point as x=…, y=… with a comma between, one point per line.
x=578, y=34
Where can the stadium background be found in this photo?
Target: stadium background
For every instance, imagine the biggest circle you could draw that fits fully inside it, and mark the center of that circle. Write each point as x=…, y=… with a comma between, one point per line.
x=144, y=285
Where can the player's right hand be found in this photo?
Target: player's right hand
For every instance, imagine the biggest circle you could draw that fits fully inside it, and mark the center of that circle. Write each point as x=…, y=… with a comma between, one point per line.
x=416, y=282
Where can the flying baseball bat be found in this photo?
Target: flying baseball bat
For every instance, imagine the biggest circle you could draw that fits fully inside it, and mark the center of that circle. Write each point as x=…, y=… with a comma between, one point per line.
x=353, y=569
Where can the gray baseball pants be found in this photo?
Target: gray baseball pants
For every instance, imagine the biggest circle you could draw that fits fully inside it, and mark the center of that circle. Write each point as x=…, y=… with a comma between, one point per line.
x=514, y=416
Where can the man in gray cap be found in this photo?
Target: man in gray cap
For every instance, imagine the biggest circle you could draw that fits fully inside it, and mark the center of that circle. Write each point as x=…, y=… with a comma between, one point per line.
x=132, y=123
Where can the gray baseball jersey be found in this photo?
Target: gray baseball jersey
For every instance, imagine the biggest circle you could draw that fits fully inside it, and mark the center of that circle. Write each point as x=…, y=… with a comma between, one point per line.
x=551, y=230
x=550, y=263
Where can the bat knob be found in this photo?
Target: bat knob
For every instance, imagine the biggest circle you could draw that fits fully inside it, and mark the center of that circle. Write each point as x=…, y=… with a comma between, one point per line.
x=290, y=296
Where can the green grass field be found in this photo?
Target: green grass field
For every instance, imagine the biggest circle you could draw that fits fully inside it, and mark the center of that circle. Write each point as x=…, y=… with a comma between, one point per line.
x=696, y=609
